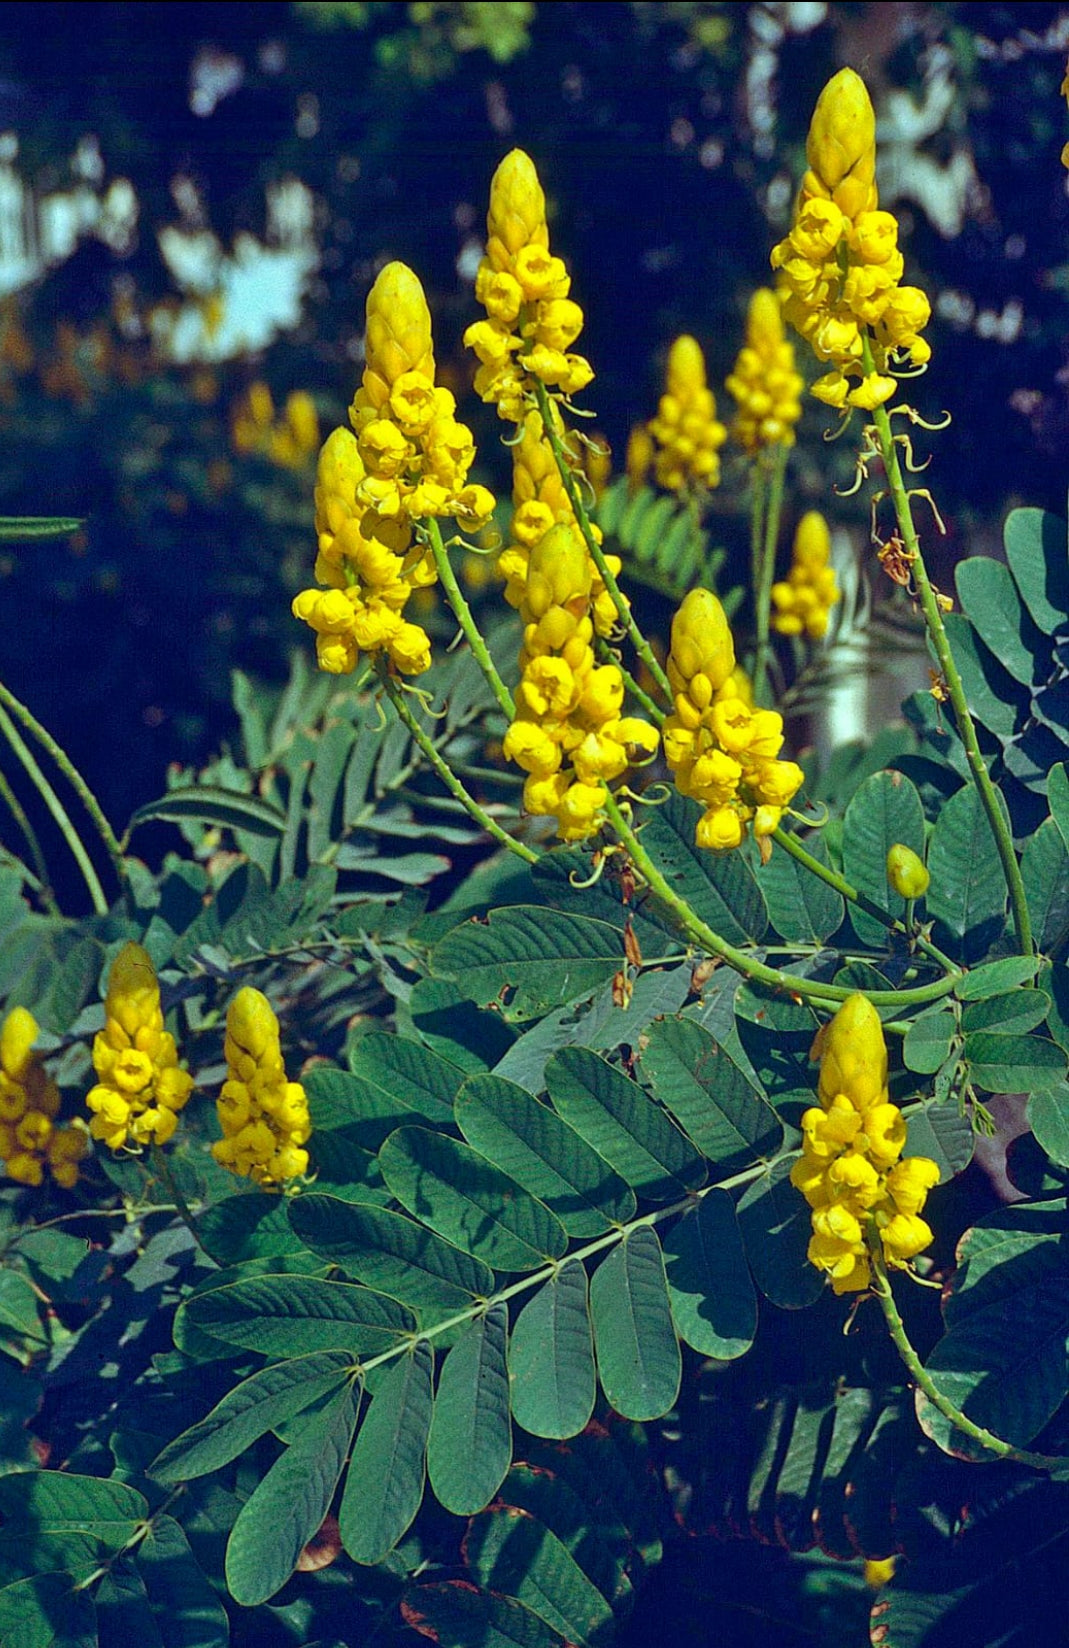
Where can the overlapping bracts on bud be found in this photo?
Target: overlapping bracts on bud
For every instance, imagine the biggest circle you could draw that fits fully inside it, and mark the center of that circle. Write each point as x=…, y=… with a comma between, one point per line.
x=852, y=1171
x=141, y=1087
x=840, y=264
x=570, y=734
x=764, y=382
x=407, y=460
x=722, y=751
x=263, y=1116
x=30, y=1141
x=531, y=321
x=686, y=433
x=802, y=603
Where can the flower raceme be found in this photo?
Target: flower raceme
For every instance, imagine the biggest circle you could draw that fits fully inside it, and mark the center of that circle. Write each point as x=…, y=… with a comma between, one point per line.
x=30, y=1141
x=852, y=1171
x=569, y=734
x=764, y=383
x=263, y=1116
x=531, y=321
x=686, y=433
x=722, y=751
x=140, y=1087
x=840, y=264
x=406, y=460
x=289, y=440
x=802, y=603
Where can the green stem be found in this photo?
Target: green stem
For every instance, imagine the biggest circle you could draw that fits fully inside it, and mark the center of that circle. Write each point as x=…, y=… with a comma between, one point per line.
x=823, y=995
x=607, y=655
x=597, y=554
x=465, y=619
x=767, y=570
x=579, y=1255
x=74, y=779
x=59, y=814
x=17, y=811
x=933, y=618
x=792, y=845
x=881, y=1287
x=174, y=1190
x=758, y=495
x=445, y=773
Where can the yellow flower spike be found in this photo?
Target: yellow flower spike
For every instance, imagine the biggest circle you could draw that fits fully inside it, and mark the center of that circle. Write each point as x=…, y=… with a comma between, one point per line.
x=802, y=602
x=686, y=433
x=764, y=381
x=398, y=332
x=906, y=872
x=264, y=1117
x=30, y=1141
x=853, y=1055
x=701, y=640
x=517, y=214
x=141, y=1085
x=17, y=1036
x=841, y=145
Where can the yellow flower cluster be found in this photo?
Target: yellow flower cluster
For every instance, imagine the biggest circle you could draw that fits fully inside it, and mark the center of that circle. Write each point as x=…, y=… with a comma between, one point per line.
x=29, y=1104
x=803, y=601
x=141, y=1086
x=540, y=503
x=531, y=321
x=686, y=434
x=722, y=751
x=569, y=735
x=289, y=440
x=407, y=461
x=851, y=1171
x=263, y=1116
x=840, y=263
x=765, y=383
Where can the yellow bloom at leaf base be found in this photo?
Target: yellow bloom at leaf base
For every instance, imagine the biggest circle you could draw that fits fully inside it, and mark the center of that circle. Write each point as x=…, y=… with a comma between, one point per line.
x=31, y=1143
x=722, y=751
x=264, y=1117
x=140, y=1087
x=852, y=1171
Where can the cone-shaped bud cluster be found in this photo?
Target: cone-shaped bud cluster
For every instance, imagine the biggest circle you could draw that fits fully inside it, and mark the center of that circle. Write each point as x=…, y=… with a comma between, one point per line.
x=852, y=1171
x=722, y=751
x=840, y=264
x=140, y=1087
x=686, y=433
x=765, y=383
x=288, y=440
x=30, y=1141
x=531, y=321
x=802, y=603
x=570, y=734
x=263, y=1116
x=407, y=461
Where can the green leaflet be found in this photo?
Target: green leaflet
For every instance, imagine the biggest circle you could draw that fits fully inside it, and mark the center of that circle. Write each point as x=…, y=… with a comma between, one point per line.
x=249, y=1225
x=714, y=1306
x=709, y=1096
x=385, y=1482
x=719, y=887
x=399, y=1072
x=161, y=1590
x=774, y=1220
x=392, y=1254
x=470, y=1202
x=1035, y=547
x=45, y=1611
x=928, y=1040
x=886, y=809
x=1045, y=873
x=967, y=895
x=533, y=1145
x=1013, y=1064
x=295, y=1315
x=989, y=597
x=622, y=1123
x=248, y=1412
x=209, y=804
x=544, y=957
x=288, y=1505
x=470, y=1444
x=551, y=1358
x=638, y=1355
x=459, y=1616
x=801, y=907
x=520, y=1556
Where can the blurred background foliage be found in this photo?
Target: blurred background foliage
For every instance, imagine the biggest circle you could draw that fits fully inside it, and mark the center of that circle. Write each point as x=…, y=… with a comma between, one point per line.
x=194, y=200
